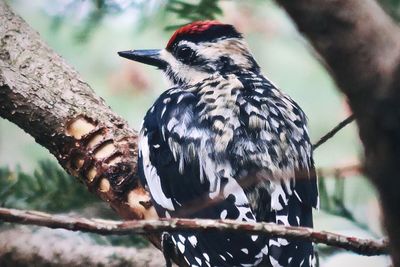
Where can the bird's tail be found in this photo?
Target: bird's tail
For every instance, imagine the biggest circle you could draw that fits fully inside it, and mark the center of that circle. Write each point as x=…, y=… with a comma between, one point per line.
x=216, y=248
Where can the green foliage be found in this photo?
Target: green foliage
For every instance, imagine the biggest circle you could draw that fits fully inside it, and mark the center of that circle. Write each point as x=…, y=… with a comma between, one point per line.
x=188, y=11
x=98, y=10
x=49, y=188
x=185, y=12
x=92, y=20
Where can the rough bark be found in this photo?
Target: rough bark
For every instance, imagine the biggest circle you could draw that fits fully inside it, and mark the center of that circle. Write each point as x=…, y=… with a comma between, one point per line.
x=47, y=98
x=361, y=47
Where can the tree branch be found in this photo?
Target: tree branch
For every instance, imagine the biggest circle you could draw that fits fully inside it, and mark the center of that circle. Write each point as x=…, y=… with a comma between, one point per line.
x=106, y=227
x=48, y=99
x=334, y=131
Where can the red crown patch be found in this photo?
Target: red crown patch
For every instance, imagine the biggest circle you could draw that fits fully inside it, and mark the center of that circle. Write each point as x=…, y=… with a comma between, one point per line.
x=194, y=27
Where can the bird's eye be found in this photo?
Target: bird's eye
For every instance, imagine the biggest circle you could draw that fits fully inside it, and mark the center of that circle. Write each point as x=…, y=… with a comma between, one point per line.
x=184, y=53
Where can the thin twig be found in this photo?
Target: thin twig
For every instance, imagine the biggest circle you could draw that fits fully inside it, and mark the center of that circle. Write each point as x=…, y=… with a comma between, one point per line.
x=105, y=227
x=334, y=131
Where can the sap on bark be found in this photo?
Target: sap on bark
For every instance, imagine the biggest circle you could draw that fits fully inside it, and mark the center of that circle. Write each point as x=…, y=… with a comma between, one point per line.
x=79, y=127
x=140, y=201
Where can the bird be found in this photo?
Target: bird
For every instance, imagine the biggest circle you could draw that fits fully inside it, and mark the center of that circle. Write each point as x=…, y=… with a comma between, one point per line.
x=223, y=142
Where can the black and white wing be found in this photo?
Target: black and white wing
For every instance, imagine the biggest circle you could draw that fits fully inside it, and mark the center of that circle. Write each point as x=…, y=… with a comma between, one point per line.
x=276, y=130
x=185, y=177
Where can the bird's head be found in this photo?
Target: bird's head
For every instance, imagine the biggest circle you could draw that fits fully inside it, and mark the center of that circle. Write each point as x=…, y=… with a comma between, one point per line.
x=198, y=50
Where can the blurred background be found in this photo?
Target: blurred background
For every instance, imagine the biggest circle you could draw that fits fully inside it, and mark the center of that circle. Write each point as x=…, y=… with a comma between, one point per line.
x=88, y=34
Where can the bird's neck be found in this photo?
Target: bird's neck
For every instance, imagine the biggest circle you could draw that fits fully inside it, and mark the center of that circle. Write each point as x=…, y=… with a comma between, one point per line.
x=217, y=106
x=218, y=76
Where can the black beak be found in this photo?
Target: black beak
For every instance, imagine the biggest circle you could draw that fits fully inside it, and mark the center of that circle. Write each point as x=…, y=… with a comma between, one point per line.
x=150, y=57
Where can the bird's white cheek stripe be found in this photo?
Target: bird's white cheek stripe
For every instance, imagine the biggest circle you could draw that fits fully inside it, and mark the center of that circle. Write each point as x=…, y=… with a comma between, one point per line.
x=152, y=177
x=186, y=73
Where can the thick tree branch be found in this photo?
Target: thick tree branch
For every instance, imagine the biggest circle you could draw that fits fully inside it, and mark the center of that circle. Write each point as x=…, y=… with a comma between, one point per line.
x=105, y=227
x=361, y=47
x=43, y=95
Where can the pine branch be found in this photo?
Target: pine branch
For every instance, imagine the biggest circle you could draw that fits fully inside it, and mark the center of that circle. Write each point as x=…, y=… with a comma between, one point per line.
x=189, y=12
x=49, y=188
x=105, y=227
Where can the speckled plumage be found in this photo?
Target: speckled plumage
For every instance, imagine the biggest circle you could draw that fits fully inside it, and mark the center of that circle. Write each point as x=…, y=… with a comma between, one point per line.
x=224, y=143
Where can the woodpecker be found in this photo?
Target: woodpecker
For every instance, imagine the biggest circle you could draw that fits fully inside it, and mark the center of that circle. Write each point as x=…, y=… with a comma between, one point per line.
x=224, y=143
